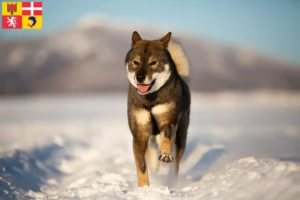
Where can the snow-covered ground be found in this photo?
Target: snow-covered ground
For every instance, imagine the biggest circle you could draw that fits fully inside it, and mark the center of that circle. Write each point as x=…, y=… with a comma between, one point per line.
x=72, y=147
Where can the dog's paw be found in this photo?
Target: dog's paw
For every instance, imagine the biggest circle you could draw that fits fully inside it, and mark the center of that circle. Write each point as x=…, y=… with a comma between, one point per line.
x=166, y=158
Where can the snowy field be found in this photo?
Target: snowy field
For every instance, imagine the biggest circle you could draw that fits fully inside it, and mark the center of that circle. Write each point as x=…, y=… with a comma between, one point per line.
x=79, y=147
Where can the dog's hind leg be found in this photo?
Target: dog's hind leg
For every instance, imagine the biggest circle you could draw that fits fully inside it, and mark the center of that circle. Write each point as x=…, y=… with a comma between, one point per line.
x=153, y=154
x=179, y=154
x=180, y=143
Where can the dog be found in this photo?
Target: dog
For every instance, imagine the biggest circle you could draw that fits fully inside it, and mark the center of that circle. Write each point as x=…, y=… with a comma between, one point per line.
x=158, y=104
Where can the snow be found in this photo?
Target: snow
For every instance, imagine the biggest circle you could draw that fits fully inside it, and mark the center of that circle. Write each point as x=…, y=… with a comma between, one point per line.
x=240, y=146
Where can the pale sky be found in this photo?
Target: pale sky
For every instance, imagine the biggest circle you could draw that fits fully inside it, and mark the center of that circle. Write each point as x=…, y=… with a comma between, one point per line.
x=271, y=26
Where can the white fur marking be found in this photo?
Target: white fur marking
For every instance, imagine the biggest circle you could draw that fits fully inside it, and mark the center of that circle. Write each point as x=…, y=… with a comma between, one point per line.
x=162, y=108
x=160, y=78
x=147, y=80
x=131, y=76
x=142, y=117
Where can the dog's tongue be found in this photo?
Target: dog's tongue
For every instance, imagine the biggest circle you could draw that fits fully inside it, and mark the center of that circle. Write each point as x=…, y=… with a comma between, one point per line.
x=143, y=88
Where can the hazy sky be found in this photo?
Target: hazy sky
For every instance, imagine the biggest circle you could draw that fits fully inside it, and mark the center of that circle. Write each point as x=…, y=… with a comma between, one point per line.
x=271, y=26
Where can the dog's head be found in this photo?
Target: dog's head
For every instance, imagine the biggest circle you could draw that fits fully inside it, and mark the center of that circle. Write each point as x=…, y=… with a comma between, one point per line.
x=148, y=64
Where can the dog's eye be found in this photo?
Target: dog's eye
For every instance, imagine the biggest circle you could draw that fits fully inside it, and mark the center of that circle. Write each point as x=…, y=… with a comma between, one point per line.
x=136, y=62
x=153, y=63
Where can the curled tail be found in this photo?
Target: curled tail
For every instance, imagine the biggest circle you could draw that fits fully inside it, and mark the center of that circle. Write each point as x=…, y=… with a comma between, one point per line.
x=180, y=59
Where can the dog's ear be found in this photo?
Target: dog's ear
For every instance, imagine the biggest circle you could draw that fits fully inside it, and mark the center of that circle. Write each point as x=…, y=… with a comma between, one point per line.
x=135, y=37
x=165, y=40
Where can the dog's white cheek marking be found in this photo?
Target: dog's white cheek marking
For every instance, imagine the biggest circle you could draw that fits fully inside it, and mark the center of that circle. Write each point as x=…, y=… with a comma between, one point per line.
x=160, y=78
x=131, y=76
x=142, y=116
x=147, y=80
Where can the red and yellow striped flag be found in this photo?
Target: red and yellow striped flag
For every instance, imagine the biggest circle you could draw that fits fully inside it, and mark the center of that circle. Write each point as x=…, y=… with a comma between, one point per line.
x=22, y=15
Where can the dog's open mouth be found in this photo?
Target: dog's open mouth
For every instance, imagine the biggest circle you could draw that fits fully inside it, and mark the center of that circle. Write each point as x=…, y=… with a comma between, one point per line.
x=143, y=88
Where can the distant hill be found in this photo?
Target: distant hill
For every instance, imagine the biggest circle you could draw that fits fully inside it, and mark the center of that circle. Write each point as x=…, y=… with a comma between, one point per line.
x=90, y=58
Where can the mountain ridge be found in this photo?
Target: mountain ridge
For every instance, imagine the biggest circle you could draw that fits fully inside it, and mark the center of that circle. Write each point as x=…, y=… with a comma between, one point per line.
x=90, y=58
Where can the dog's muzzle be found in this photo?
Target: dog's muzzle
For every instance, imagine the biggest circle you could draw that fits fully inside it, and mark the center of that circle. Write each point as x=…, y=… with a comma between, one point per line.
x=144, y=88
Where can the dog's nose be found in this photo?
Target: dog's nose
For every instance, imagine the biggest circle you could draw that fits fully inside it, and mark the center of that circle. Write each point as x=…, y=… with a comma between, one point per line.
x=140, y=77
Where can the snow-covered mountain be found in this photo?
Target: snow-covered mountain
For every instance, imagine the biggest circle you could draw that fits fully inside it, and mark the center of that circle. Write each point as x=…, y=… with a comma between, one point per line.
x=89, y=57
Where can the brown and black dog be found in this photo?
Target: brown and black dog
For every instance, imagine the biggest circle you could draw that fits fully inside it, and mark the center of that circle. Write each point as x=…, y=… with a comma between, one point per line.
x=158, y=102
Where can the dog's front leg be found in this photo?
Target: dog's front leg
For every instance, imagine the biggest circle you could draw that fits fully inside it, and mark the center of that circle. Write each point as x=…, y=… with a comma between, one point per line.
x=166, y=141
x=139, y=149
x=141, y=127
x=166, y=118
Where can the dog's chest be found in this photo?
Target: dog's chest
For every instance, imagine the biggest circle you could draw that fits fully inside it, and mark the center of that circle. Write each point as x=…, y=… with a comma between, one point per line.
x=162, y=109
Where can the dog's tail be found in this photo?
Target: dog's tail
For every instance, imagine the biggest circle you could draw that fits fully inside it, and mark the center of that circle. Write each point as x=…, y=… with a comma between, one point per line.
x=180, y=59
